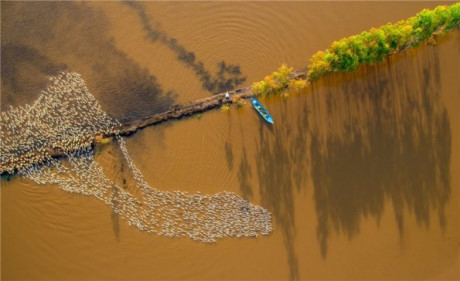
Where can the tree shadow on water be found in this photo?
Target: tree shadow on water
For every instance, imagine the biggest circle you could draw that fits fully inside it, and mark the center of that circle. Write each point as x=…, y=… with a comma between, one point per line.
x=280, y=164
x=226, y=78
x=244, y=175
x=24, y=71
x=114, y=215
x=71, y=36
x=229, y=155
x=383, y=139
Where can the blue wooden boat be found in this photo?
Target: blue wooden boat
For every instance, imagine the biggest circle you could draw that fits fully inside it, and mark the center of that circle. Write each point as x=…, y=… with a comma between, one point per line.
x=262, y=110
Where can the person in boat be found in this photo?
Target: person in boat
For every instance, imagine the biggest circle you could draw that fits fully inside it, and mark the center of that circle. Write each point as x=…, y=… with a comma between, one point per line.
x=264, y=113
x=261, y=110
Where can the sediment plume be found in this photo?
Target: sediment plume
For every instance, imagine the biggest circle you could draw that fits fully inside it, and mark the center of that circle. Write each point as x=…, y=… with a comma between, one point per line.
x=65, y=117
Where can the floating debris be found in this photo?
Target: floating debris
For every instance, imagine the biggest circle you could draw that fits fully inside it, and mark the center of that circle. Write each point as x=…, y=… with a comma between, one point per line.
x=63, y=116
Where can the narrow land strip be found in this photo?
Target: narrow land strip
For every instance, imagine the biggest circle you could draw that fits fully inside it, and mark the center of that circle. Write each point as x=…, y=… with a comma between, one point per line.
x=174, y=113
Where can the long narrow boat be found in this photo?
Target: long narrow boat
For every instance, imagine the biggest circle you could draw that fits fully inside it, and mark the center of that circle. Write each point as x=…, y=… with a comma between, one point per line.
x=262, y=110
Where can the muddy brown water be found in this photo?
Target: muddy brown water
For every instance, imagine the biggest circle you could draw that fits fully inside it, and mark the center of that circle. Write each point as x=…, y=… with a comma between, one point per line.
x=360, y=170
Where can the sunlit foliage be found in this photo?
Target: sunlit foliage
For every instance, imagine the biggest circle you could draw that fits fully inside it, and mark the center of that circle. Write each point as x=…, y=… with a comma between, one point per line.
x=224, y=108
x=100, y=140
x=369, y=47
x=297, y=84
x=374, y=45
x=277, y=82
x=238, y=101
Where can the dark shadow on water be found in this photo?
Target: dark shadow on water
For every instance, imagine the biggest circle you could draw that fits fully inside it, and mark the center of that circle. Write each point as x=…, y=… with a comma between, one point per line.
x=20, y=62
x=116, y=200
x=244, y=175
x=227, y=77
x=229, y=155
x=379, y=134
x=278, y=154
x=114, y=216
x=385, y=135
x=42, y=38
x=244, y=168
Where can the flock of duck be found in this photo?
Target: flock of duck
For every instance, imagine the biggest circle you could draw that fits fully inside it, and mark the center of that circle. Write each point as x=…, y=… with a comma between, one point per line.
x=64, y=116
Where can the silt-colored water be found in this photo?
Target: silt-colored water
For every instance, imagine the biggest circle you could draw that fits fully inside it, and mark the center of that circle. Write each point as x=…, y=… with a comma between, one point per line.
x=359, y=170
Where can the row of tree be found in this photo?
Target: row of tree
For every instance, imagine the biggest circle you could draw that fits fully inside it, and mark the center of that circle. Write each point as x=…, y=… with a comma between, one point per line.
x=368, y=47
x=374, y=45
x=277, y=82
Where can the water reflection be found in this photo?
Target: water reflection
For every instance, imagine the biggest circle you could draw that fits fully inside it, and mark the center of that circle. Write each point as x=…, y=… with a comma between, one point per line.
x=381, y=133
x=280, y=160
x=227, y=77
x=40, y=38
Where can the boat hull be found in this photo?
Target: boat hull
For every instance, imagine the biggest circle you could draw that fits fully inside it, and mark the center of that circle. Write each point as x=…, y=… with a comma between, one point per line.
x=262, y=110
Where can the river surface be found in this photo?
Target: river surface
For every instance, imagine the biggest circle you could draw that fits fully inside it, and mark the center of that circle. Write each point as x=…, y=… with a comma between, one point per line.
x=360, y=170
